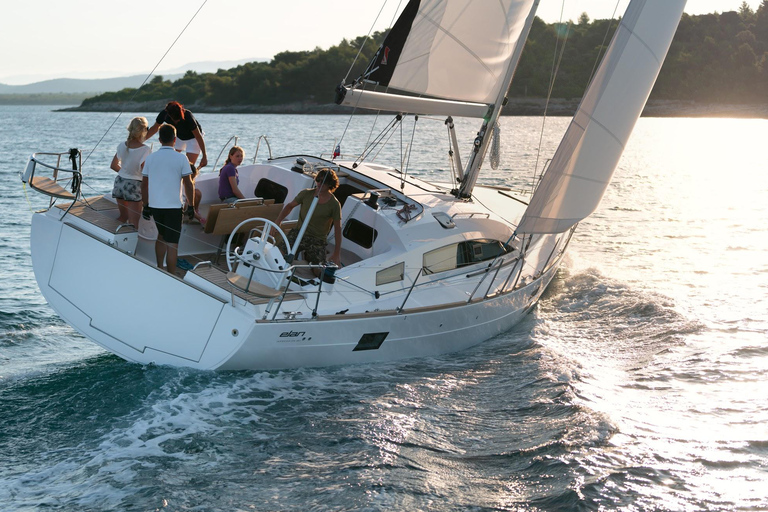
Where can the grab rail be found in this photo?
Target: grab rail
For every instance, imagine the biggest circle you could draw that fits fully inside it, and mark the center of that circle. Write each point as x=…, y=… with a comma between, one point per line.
x=216, y=163
x=51, y=186
x=258, y=143
x=471, y=214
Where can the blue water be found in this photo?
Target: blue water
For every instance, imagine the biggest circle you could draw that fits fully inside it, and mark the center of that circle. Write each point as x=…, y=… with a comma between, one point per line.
x=639, y=383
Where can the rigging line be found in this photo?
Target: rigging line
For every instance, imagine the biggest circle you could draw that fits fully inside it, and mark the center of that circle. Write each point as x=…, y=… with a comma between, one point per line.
x=351, y=115
x=359, y=51
x=409, y=151
x=373, y=125
x=370, y=145
x=391, y=133
x=368, y=150
x=450, y=155
x=602, y=45
x=402, y=180
x=378, y=112
x=555, y=68
x=146, y=79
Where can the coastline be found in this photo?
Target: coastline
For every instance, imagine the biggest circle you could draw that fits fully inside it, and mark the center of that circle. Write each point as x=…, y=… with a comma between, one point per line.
x=515, y=107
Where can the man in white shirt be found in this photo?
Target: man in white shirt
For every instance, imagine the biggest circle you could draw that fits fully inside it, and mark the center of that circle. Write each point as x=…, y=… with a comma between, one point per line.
x=165, y=171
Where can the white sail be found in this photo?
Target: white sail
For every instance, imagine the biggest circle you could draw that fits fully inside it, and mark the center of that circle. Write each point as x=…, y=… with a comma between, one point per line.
x=585, y=161
x=452, y=49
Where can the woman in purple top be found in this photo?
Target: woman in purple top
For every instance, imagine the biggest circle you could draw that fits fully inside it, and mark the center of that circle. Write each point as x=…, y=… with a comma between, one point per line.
x=228, y=177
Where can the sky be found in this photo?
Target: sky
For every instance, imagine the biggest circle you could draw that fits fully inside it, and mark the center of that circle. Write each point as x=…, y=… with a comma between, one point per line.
x=43, y=39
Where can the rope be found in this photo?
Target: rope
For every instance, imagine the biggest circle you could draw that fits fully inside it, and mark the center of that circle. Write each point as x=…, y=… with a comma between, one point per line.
x=368, y=149
x=559, y=60
x=145, y=80
x=391, y=133
x=607, y=31
x=360, y=50
x=555, y=68
x=351, y=115
x=410, y=149
x=353, y=65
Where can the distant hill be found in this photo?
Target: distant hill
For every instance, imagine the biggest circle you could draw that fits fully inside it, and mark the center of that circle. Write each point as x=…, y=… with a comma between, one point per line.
x=78, y=85
x=100, y=85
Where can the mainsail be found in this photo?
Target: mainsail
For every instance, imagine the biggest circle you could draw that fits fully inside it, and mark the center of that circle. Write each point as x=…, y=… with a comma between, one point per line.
x=590, y=150
x=459, y=50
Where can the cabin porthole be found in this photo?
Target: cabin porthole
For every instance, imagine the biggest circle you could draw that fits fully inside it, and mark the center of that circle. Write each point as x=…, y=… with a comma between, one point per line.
x=235, y=332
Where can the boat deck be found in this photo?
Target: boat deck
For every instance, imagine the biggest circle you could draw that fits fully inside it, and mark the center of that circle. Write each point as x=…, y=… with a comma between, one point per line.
x=102, y=213
x=98, y=211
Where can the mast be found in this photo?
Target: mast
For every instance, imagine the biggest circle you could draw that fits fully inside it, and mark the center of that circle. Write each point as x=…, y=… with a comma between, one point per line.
x=483, y=139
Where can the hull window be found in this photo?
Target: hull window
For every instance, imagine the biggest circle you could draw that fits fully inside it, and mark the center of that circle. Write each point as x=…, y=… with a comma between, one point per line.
x=392, y=274
x=462, y=254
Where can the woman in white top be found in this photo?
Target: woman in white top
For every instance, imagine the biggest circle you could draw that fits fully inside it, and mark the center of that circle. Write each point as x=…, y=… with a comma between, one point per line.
x=128, y=162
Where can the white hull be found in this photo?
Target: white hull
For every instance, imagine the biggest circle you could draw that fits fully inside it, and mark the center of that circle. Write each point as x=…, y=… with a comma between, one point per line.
x=106, y=286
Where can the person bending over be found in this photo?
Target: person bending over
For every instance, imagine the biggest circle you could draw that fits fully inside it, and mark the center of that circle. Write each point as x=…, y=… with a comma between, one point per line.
x=189, y=134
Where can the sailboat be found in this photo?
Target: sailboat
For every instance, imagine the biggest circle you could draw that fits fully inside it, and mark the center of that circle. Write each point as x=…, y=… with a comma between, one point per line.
x=427, y=268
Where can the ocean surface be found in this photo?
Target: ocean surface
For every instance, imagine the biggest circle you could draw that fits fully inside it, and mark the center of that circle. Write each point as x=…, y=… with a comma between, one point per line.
x=640, y=382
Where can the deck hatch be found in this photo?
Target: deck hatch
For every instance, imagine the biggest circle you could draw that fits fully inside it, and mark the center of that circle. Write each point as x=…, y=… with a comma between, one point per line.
x=370, y=341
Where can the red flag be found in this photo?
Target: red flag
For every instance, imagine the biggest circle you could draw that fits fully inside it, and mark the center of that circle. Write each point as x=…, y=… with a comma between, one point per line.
x=337, y=151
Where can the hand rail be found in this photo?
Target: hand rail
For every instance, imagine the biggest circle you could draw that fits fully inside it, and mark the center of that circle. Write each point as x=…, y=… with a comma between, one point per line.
x=471, y=214
x=487, y=271
x=258, y=143
x=216, y=163
x=51, y=187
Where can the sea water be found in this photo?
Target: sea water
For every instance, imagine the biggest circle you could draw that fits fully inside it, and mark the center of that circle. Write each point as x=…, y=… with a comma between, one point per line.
x=638, y=383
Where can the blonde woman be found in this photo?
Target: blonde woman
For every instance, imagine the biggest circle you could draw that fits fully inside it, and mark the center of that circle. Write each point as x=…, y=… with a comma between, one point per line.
x=128, y=163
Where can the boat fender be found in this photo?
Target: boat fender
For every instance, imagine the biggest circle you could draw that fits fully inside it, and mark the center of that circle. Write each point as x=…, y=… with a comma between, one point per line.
x=29, y=171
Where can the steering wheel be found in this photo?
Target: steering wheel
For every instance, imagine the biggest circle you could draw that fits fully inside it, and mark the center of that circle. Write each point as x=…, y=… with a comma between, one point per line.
x=268, y=225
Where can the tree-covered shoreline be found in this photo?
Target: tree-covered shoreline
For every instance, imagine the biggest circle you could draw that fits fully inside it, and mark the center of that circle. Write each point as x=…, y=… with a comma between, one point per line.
x=715, y=59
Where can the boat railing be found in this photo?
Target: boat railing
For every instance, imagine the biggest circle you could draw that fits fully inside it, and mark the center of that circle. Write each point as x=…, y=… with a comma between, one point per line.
x=288, y=276
x=224, y=148
x=407, y=295
x=341, y=156
x=279, y=295
x=52, y=186
x=258, y=144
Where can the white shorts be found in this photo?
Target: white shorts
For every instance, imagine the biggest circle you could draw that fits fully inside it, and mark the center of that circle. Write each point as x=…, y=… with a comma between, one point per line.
x=187, y=146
